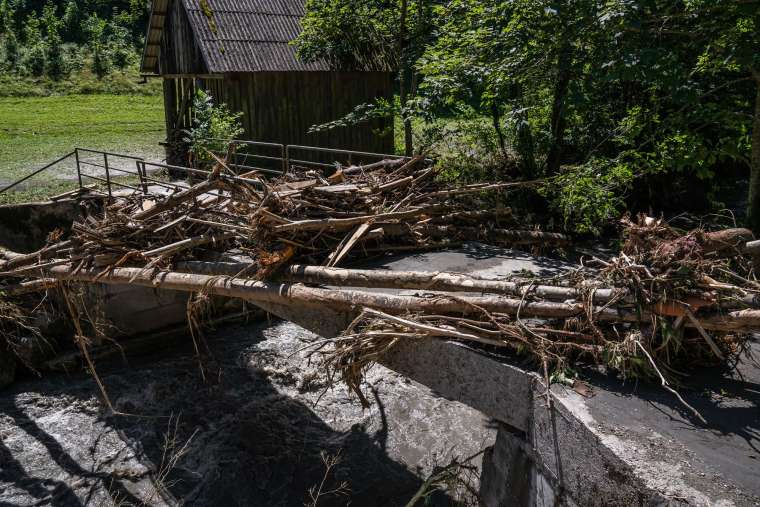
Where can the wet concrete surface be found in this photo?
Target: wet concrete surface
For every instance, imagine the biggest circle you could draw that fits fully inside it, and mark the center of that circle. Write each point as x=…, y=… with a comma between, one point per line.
x=254, y=434
x=672, y=451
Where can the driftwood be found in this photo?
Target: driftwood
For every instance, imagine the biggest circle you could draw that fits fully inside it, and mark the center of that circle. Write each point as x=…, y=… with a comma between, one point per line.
x=351, y=300
x=270, y=242
x=339, y=224
x=23, y=288
x=441, y=282
x=727, y=239
x=180, y=197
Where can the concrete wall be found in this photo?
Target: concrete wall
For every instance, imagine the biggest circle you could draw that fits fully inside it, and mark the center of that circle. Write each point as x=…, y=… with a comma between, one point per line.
x=25, y=227
x=625, y=444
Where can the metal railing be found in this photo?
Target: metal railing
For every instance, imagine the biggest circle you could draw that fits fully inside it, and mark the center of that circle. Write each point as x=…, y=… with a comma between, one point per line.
x=292, y=156
x=246, y=157
x=109, y=167
x=38, y=171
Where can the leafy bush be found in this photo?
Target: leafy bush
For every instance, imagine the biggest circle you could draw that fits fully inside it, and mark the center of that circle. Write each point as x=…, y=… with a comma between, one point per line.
x=11, y=50
x=214, y=126
x=36, y=59
x=101, y=62
x=57, y=66
x=590, y=196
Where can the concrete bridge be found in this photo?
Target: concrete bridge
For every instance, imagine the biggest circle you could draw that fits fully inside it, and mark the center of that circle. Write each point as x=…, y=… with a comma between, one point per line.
x=604, y=443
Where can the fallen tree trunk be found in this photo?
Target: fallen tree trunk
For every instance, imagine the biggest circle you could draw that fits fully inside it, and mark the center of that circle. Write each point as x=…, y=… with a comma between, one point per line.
x=438, y=281
x=48, y=252
x=353, y=301
x=29, y=287
x=348, y=223
x=726, y=239
x=501, y=236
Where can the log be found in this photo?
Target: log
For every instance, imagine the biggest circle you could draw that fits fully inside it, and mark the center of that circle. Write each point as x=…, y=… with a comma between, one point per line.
x=726, y=239
x=348, y=223
x=752, y=248
x=436, y=281
x=29, y=287
x=176, y=199
x=383, y=164
x=475, y=189
x=472, y=216
x=188, y=243
x=353, y=301
x=47, y=252
x=504, y=236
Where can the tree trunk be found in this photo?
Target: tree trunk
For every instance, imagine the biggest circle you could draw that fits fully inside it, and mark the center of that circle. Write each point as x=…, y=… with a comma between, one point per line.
x=352, y=301
x=753, y=210
x=404, y=80
x=558, y=122
x=523, y=135
x=496, y=118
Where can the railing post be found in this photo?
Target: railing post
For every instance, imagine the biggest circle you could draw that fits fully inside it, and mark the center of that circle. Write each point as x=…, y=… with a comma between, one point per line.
x=142, y=175
x=79, y=169
x=284, y=159
x=108, y=175
x=287, y=158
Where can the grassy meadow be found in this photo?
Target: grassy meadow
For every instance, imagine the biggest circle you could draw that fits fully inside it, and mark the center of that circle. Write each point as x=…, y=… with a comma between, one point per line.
x=38, y=130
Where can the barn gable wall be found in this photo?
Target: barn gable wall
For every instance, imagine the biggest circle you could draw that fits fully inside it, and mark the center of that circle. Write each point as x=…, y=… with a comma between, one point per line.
x=180, y=53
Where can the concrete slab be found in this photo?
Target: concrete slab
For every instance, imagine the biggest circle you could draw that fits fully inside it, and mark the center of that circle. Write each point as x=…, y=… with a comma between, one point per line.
x=625, y=445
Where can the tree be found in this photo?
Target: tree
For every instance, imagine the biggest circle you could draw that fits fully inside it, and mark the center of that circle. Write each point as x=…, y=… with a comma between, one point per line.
x=6, y=18
x=36, y=59
x=32, y=30
x=101, y=63
x=50, y=20
x=11, y=50
x=56, y=61
x=72, y=21
x=122, y=54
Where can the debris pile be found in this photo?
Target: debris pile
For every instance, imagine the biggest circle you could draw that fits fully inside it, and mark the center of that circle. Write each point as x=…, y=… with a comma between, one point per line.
x=669, y=302
x=391, y=206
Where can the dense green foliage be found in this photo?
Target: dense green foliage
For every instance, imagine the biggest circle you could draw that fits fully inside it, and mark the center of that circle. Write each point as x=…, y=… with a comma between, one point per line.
x=637, y=104
x=53, y=39
x=214, y=127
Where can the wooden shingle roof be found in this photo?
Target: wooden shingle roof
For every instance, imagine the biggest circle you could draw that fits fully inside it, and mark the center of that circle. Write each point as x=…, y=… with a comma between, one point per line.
x=236, y=35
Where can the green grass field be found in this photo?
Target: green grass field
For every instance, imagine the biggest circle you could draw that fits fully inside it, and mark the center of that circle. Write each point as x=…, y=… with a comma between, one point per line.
x=37, y=130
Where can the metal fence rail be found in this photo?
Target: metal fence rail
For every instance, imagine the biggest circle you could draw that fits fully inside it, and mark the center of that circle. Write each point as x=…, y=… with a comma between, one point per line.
x=246, y=157
x=38, y=171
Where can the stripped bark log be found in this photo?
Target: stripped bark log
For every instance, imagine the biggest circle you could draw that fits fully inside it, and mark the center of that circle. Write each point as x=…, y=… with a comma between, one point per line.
x=174, y=200
x=439, y=281
x=348, y=223
x=351, y=300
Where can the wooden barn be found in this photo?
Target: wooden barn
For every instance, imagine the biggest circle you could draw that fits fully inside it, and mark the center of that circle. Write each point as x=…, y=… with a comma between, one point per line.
x=241, y=52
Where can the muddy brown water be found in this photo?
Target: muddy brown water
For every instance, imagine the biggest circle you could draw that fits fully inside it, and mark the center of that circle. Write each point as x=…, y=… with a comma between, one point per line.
x=253, y=435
